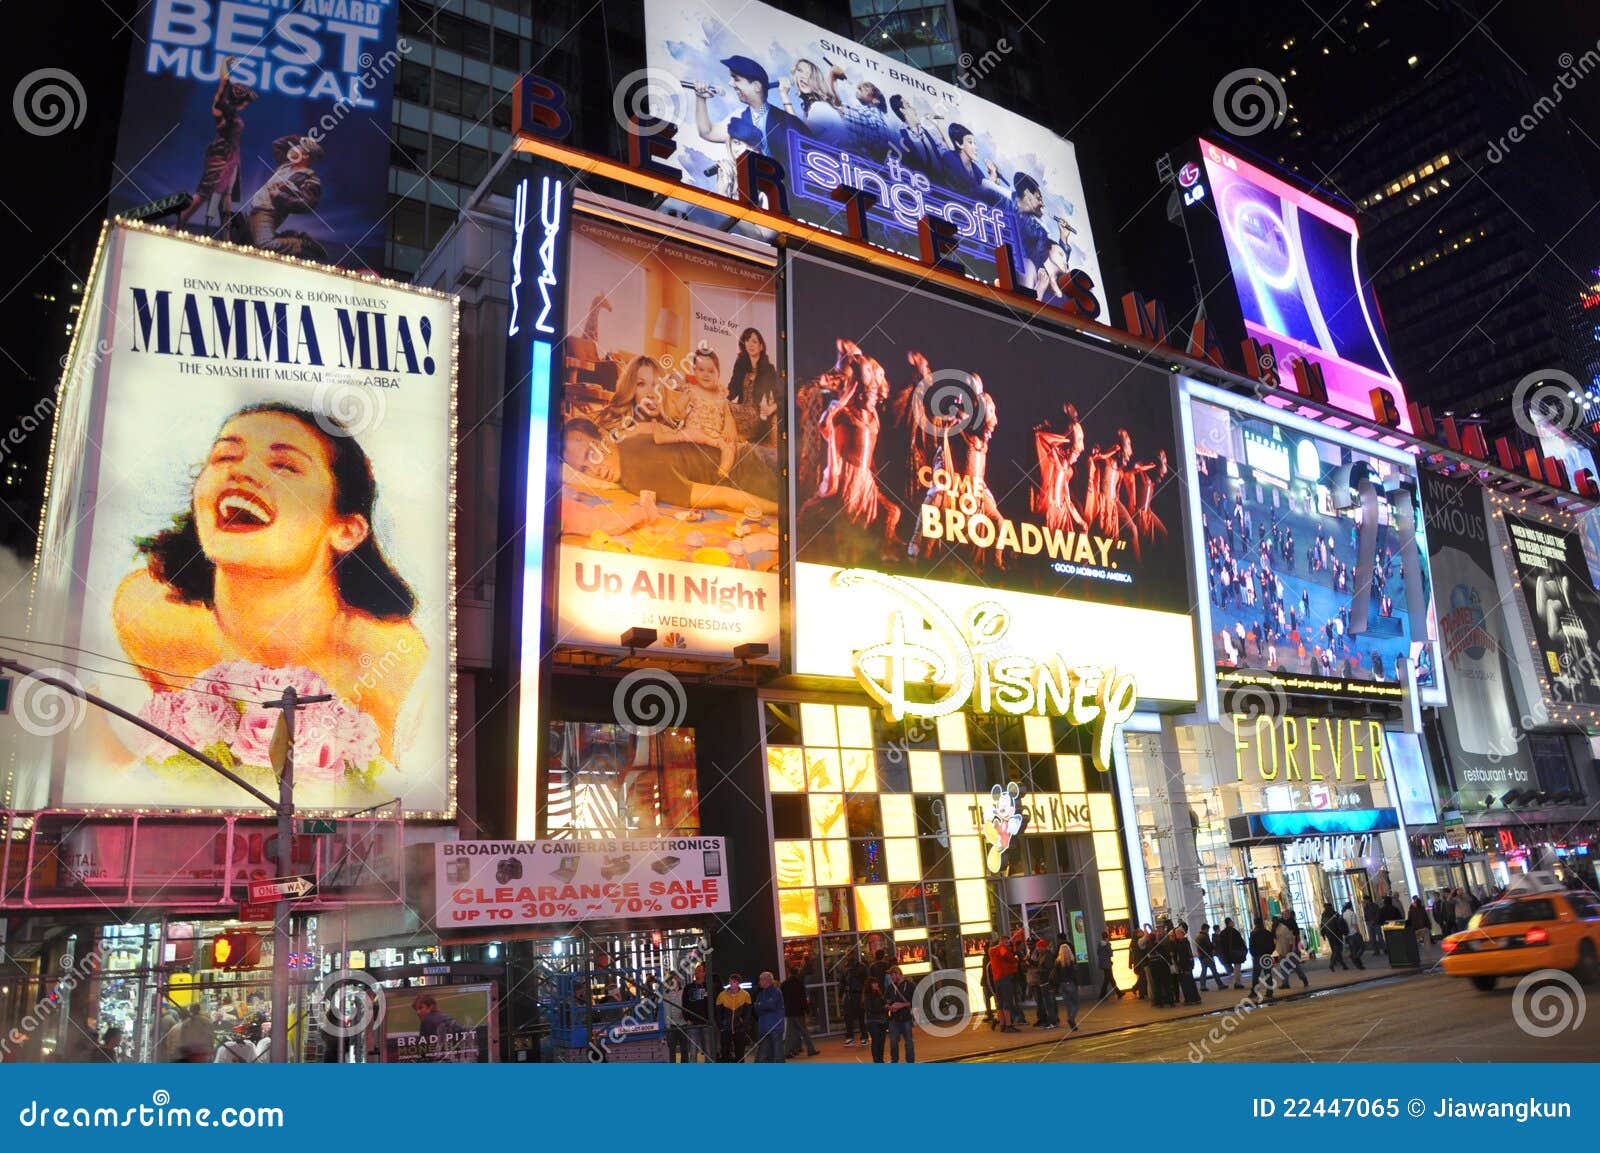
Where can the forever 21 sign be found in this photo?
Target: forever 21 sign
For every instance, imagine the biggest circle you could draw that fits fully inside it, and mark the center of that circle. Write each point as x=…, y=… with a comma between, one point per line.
x=1315, y=850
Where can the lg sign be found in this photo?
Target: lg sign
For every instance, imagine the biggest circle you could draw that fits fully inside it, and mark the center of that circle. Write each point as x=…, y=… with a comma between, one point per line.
x=1189, y=174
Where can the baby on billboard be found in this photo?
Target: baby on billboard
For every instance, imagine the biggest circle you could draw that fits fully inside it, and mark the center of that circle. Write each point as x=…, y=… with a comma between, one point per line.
x=270, y=577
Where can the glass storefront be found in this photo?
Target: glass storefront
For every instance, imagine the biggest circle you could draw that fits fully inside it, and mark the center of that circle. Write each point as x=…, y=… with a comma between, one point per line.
x=1200, y=785
x=879, y=840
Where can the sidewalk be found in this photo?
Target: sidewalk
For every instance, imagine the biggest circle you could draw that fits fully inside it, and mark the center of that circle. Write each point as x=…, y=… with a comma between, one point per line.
x=1108, y=1016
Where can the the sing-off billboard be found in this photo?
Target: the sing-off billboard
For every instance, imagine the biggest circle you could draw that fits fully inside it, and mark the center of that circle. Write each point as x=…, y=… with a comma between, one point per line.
x=272, y=116
x=735, y=75
x=259, y=494
x=1312, y=550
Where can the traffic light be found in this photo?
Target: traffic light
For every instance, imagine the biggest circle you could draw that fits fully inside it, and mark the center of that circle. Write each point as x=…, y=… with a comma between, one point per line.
x=236, y=950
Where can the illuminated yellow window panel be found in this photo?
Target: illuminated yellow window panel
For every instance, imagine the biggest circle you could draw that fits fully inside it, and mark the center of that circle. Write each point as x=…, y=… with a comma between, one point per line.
x=822, y=770
x=972, y=900
x=1036, y=732
x=966, y=859
x=827, y=815
x=975, y=962
x=982, y=926
x=1107, y=851
x=872, y=908
x=855, y=727
x=905, y=864
x=817, y=726
x=1102, y=813
x=975, y=986
x=831, y=859
x=860, y=771
x=910, y=935
x=1113, y=889
x=786, y=770
x=1119, y=966
x=793, y=861
x=797, y=912
x=1069, y=767
x=899, y=815
x=963, y=814
x=952, y=730
x=915, y=968
x=927, y=774
x=1115, y=914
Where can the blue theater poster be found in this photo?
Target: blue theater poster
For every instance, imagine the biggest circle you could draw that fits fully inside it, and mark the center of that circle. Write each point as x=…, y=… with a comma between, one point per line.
x=737, y=75
x=272, y=115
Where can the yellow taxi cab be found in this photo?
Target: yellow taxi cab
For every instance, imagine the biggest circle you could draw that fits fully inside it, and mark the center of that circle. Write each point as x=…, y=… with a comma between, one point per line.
x=1531, y=927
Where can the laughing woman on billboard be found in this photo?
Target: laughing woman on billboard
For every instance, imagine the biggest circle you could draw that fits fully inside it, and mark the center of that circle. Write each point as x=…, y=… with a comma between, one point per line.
x=271, y=577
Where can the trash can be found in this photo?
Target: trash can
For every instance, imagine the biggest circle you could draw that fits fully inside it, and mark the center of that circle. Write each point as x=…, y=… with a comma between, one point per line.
x=1401, y=940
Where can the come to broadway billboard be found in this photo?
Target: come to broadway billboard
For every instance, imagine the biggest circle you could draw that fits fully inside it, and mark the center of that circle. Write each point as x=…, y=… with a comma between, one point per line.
x=941, y=443
x=273, y=117
x=263, y=501
x=734, y=75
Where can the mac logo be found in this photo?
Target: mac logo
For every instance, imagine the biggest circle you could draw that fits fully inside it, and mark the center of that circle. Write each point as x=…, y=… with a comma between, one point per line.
x=520, y=223
x=550, y=220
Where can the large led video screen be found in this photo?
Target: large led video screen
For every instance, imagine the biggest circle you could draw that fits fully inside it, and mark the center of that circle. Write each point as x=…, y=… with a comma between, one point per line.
x=735, y=75
x=1314, y=555
x=672, y=412
x=1299, y=283
x=942, y=443
x=1562, y=604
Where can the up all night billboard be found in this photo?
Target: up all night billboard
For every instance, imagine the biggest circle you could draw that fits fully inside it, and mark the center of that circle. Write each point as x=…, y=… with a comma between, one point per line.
x=733, y=76
x=274, y=118
x=1313, y=554
x=255, y=494
x=975, y=460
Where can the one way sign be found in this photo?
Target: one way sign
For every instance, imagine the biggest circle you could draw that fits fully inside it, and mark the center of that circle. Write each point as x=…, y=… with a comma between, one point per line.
x=288, y=889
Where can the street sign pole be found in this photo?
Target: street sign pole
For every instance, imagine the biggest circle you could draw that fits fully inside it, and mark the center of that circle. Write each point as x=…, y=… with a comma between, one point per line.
x=283, y=762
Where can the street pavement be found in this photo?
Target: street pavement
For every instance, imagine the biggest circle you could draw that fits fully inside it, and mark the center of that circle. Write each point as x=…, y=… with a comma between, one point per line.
x=1421, y=1018
x=1380, y=1014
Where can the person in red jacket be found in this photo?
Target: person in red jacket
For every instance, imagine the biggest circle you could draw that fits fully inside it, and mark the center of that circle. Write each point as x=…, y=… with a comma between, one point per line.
x=1003, y=975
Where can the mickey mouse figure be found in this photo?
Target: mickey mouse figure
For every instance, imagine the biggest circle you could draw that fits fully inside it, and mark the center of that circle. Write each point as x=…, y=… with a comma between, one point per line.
x=1006, y=820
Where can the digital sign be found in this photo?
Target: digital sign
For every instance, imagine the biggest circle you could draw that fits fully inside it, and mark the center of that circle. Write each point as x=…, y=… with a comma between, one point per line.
x=1313, y=552
x=938, y=441
x=267, y=503
x=1487, y=748
x=1562, y=603
x=1296, y=274
x=672, y=414
x=737, y=75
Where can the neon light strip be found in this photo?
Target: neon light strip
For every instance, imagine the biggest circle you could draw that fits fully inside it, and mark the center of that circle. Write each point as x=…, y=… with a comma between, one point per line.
x=538, y=455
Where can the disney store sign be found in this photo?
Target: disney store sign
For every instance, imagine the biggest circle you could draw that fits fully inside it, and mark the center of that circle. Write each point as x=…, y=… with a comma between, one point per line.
x=932, y=664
